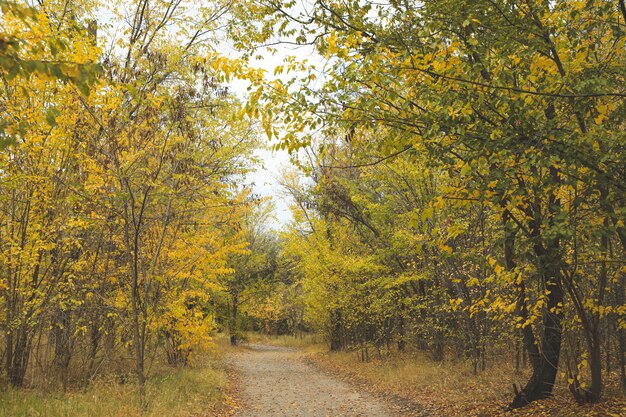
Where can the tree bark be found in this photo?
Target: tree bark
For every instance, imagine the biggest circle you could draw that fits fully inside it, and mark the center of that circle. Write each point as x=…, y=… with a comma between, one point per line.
x=18, y=346
x=541, y=382
x=549, y=262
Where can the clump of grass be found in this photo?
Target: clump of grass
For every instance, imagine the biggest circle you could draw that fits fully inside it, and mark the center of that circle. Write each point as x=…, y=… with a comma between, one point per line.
x=180, y=392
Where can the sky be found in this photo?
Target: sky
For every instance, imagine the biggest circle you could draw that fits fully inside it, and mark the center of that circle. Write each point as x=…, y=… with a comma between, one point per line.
x=266, y=183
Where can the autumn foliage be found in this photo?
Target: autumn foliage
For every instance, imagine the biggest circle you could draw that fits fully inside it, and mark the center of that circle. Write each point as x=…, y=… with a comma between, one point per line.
x=122, y=194
x=458, y=185
x=461, y=180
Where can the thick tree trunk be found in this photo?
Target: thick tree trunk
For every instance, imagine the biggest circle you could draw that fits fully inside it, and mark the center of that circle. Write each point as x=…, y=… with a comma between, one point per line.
x=549, y=262
x=62, y=334
x=18, y=345
x=542, y=380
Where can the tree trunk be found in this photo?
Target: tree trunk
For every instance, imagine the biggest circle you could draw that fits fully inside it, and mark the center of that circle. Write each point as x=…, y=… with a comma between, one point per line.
x=95, y=336
x=138, y=343
x=621, y=288
x=542, y=380
x=18, y=346
x=234, y=337
x=595, y=365
x=401, y=333
x=438, y=347
x=549, y=262
x=528, y=336
x=336, y=338
x=62, y=334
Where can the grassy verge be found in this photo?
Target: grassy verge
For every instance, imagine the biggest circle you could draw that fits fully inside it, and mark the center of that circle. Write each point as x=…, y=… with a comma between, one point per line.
x=451, y=389
x=199, y=390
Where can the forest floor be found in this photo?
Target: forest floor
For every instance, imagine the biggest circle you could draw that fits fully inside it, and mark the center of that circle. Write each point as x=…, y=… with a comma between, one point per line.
x=452, y=390
x=287, y=376
x=275, y=381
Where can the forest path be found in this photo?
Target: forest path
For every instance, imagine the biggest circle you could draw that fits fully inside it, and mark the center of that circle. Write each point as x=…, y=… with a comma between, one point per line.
x=276, y=381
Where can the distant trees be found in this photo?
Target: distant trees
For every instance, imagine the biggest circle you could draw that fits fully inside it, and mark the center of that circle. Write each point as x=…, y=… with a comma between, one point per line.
x=253, y=268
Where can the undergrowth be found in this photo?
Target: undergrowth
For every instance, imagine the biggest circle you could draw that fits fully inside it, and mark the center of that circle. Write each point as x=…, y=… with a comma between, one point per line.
x=196, y=390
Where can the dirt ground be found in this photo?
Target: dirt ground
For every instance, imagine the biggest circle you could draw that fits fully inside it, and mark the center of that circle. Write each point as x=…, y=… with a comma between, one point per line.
x=276, y=381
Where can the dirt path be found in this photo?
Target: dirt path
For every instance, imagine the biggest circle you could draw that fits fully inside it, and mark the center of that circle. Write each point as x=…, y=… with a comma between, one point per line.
x=275, y=381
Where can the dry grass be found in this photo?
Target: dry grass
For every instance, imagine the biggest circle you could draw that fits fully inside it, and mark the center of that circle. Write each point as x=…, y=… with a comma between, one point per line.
x=184, y=392
x=451, y=389
x=308, y=342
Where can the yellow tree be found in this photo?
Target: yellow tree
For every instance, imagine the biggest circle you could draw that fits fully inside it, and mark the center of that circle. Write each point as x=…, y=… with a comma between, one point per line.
x=41, y=225
x=120, y=207
x=170, y=146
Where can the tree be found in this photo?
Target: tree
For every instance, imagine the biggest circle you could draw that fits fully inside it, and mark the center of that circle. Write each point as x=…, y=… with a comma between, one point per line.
x=511, y=97
x=120, y=203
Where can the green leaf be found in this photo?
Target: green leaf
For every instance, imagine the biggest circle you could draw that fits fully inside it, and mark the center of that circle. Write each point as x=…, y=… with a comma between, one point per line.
x=51, y=115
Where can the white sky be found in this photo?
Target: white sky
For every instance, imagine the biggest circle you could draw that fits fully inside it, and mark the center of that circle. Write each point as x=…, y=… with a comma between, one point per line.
x=266, y=183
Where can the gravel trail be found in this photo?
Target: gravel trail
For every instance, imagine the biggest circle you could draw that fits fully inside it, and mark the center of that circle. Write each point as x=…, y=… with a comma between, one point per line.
x=276, y=381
